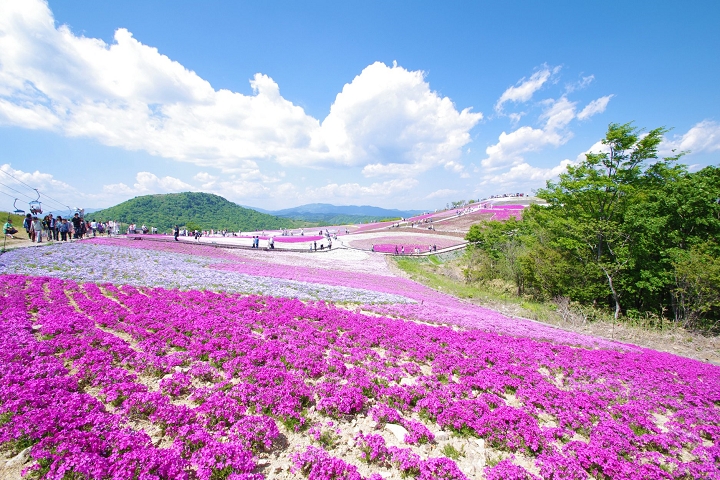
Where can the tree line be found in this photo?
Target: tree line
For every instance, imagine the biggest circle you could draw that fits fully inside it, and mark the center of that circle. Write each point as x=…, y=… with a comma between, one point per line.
x=624, y=230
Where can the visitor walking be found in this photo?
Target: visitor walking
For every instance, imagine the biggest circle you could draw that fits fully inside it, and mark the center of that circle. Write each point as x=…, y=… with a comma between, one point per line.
x=176, y=232
x=27, y=223
x=77, y=222
x=37, y=228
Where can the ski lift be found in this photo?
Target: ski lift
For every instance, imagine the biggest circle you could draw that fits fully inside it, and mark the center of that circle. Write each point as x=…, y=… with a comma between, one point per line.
x=35, y=205
x=17, y=211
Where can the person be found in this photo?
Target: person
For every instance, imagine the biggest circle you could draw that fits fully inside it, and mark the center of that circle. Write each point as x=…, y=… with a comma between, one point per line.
x=176, y=232
x=64, y=228
x=271, y=242
x=315, y=243
x=93, y=227
x=26, y=225
x=46, y=227
x=372, y=247
x=8, y=229
x=36, y=228
x=396, y=250
x=329, y=243
x=76, y=221
x=402, y=250
x=52, y=227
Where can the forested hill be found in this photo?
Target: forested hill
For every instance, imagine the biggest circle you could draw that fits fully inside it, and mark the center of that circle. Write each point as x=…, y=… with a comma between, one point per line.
x=193, y=210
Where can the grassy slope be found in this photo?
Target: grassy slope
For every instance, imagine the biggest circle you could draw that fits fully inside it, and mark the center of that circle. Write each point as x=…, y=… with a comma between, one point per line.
x=434, y=273
x=444, y=276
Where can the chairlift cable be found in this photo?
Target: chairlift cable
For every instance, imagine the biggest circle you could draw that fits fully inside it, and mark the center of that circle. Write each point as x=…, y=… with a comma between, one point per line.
x=10, y=175
x=17, y=191
x=28, y=196
x=21, y=193
x=36, y=190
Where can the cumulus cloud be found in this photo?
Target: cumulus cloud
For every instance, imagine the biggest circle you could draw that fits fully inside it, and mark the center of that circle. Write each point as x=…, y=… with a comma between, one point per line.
x=149, y=182
x=20, y=184
x=37, y=179
x=702, y=137
x=594, y=107
x=393, y=169
x=390, y=113
x=511, y=147
x=525, y=88
x=129, y=95
x=355, y=190
x=146, y=183
x=442, y=193
x=525, y=176
x=57, y=195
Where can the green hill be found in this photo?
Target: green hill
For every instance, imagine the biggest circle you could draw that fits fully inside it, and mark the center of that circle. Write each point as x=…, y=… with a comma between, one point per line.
x=194, y=210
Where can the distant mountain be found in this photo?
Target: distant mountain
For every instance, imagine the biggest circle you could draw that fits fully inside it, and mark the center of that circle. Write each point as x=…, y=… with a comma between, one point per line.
x=328, y=209
x=196, y=210
x=327, y=214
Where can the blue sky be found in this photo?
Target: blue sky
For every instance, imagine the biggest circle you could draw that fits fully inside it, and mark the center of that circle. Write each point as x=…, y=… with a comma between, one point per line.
x=395, y=104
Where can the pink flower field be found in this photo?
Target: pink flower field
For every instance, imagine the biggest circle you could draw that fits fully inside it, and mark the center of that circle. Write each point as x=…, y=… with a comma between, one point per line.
x=386, y=244
x=111, y=381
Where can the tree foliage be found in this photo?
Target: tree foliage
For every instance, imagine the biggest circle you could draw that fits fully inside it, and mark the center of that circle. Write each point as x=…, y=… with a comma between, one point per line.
x=623, y=229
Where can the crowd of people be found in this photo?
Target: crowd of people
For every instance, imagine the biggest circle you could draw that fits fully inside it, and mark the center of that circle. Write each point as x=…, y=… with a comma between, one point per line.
x=508, y=195
x=50, y=228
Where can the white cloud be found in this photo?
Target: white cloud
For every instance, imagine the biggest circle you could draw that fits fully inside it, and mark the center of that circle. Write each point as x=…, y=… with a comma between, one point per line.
x=20, y=184
x=454, y=167
x=512, y=146
x=127, y=94
x=390, y=114
x=355, y=190
x=442, y=193
x=597, y=147
x=558, y=114
x=596, y=106
x=57, y=195
x=702, y=137
x=580, y=84
x=149, y=182
x=524, y=89
x=523, y=176
x=393, y=169
x=515, y=117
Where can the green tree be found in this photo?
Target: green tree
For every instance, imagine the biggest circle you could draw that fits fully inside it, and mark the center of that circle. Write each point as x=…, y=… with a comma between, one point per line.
x=497, y=251
x=678, y=214
x=591, y=199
